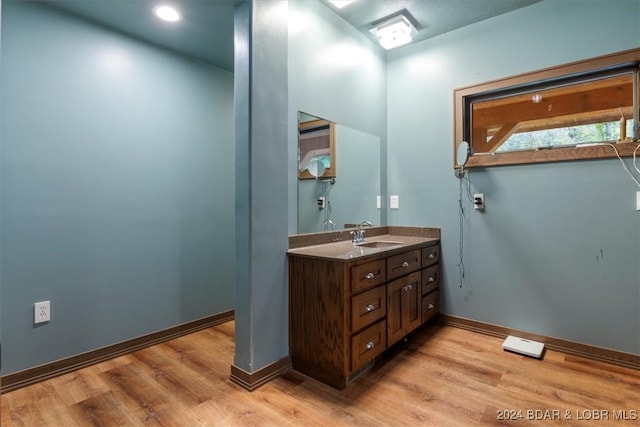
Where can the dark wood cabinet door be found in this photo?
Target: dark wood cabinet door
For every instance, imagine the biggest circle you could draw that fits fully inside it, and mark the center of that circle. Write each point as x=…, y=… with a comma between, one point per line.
x=403, y=307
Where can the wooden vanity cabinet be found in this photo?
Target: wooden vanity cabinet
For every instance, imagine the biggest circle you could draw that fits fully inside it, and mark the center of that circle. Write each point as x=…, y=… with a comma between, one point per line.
x=345, y=313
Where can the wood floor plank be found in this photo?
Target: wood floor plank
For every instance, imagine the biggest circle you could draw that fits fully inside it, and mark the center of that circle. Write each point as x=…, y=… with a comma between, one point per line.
x=104, y=409
x=442, y=376
x=76, y=386
x=141, y=394
x=174, y=377
x=39, y=405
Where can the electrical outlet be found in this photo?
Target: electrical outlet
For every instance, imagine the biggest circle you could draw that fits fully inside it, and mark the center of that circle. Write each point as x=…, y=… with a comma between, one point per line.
x=322, y=202
x=638, y=200
x=478, y=201
x=42, y=312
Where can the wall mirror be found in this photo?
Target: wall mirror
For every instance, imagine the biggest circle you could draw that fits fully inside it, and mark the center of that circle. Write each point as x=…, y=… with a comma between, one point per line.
x=350, y=196
x=316, y=147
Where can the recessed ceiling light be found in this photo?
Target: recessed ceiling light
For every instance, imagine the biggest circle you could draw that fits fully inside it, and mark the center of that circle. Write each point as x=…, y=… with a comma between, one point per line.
x=340, y=3
x=167, y=13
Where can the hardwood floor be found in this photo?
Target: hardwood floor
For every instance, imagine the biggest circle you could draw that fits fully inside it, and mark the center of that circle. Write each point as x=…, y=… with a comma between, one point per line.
x=443, y=376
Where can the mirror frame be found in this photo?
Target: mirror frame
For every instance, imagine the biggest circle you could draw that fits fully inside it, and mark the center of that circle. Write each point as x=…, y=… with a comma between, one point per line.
x=329, y=172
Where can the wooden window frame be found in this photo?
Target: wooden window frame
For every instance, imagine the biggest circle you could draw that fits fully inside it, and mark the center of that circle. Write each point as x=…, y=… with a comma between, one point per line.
x=593, y=65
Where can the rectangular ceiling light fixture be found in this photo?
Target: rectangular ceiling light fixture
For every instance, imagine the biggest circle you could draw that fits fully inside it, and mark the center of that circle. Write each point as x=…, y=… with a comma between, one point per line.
x=340, y=3
x=393, y=32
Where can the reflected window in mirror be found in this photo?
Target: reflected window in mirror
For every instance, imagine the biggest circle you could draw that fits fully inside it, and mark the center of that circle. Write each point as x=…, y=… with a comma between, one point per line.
x=316, y=147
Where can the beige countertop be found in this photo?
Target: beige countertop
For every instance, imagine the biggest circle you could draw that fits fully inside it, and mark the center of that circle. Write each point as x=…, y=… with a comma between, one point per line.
x=404, y=238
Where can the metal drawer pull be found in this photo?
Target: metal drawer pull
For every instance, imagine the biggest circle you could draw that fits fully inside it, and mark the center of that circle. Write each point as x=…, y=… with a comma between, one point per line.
x=431, y=256
x=430, y=279
x=407, y=287
x=370, y=345
x=370, y=307
x=369, y=276
x=430, y=307
x=405, y=264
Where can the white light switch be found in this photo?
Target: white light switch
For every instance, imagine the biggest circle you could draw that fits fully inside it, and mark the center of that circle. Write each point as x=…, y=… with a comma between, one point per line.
x=394, y=202
x=638, y=200
x=378, y=202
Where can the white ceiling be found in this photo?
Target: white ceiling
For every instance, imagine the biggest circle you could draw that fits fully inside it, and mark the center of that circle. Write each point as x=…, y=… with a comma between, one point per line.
x=206, y=31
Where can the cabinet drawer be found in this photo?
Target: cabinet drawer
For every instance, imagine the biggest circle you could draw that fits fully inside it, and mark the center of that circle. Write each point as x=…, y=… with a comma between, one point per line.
x=368, y=344
x=367, y=275
x=399, y=265
x=368, y=307
x=430, y=279
x=430, y=255
x=430, y=305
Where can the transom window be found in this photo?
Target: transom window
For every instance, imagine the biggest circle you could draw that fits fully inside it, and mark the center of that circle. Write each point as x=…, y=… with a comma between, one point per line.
x=563, y=113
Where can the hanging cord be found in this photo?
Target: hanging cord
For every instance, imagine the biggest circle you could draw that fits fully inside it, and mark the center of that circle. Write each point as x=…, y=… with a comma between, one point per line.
x=465, y=181
x=461, y=231
x=327, y=224
x=624, y=165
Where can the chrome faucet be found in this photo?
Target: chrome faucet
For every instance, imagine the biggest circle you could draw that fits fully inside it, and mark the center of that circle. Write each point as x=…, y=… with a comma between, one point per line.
x=358, y=234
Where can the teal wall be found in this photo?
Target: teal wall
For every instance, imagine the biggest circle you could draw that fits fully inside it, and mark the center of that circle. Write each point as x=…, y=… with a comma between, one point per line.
x=557, y=251
x=117, y=186
x=337, y=73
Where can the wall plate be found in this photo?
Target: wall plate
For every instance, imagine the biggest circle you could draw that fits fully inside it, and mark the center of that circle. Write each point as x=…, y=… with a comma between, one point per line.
x=41, y=312
x=394, y=202
x=478, y=201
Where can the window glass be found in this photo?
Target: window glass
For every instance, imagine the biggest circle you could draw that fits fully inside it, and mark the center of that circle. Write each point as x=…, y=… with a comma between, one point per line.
x=598, y=110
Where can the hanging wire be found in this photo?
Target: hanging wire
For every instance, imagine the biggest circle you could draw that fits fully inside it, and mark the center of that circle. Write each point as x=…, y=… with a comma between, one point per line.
x=624, y=165
x=327, y=224
x=464, y=190
x=461, y=230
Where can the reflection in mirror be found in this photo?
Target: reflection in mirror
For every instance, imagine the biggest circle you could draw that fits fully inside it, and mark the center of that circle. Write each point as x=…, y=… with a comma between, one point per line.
x=328, y=204
x=315, y=146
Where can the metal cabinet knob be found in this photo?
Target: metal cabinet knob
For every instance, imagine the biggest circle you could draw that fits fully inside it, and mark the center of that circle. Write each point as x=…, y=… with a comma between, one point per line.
x=431, y=256
x=370, y=345
x=430, y=279
x=405, y=264
x=369, y=276
x=370, y=307
x=430, y=307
